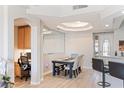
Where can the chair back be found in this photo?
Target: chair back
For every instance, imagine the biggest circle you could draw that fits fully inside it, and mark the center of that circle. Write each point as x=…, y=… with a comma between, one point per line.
x=24, y=63
x=75, y=65
x=80, y=60
x=116, y=69
x=74, y=55
x=28, y=55
x=97, y=64
x=24, y=59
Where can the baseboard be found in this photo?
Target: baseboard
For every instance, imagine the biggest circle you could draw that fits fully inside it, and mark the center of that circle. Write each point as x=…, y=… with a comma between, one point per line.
x=35, y=83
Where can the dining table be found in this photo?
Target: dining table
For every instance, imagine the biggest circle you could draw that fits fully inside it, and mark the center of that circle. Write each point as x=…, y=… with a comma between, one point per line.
x=66, y=61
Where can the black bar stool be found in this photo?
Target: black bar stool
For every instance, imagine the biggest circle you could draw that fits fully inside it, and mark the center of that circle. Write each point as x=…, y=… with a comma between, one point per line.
x=98, y=65
x=117, y=70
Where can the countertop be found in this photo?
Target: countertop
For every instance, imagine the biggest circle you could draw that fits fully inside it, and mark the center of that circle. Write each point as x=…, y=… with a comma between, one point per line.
x=111, y=58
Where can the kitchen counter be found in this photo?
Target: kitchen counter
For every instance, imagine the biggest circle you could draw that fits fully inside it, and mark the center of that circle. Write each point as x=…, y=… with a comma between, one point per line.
x=111, y=58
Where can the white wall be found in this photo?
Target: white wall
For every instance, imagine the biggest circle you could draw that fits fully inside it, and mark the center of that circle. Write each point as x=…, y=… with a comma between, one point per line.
x=53, y=43
x=1, y=32
x=82, y=43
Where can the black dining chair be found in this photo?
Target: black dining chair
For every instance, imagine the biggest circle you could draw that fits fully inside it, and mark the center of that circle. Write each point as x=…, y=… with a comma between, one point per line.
x=98, y=65
x=117, y=70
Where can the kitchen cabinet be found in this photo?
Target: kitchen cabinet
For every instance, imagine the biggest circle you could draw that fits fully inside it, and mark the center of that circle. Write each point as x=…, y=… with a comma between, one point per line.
x=24, y=37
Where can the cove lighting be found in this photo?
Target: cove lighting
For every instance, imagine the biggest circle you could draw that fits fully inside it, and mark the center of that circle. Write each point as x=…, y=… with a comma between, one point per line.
x=75, y=24
x=74, y=29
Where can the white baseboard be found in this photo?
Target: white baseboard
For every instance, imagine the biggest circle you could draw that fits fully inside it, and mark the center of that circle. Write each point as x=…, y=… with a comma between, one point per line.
x=35, y=83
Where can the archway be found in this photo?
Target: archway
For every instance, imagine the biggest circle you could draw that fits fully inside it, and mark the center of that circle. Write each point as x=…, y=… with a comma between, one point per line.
x=22, y=49
x=36, y=56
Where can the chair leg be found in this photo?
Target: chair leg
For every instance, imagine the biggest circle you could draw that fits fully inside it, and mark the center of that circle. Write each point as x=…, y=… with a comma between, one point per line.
x=58, y=71
x=123, y=83
x=62, y=66
x=74, y=71
x=79, y=68
x=65, y=72
x=103, y=83
x=103, y=79
x=26, y=78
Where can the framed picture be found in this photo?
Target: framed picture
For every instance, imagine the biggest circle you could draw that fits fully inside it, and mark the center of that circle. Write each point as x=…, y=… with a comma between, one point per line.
x=121, y=45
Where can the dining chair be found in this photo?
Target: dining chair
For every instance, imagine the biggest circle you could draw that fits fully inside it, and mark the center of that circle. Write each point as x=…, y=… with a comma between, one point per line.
x=58, y=67
x=80, y=62
x=74, y=68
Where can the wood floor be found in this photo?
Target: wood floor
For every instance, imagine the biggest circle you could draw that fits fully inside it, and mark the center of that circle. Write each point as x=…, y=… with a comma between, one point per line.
x=86, y=79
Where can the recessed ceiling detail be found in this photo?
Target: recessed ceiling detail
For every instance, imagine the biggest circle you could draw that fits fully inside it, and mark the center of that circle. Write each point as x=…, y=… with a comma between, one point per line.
x=74, y=29
x=75, y=26
x=97, y=15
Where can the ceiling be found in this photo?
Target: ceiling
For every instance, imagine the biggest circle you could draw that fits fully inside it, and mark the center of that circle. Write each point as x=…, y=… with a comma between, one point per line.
x=97, y=15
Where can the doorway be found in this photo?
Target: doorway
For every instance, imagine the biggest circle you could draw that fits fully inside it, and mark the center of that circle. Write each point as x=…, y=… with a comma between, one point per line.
x=22, y=51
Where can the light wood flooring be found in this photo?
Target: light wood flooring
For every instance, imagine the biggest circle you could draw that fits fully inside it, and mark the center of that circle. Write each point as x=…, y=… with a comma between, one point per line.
x=86, y=79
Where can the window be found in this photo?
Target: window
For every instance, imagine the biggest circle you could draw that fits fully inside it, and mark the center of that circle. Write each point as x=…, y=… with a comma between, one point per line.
x=106, y=48
x=96, y=43
x=103, y=43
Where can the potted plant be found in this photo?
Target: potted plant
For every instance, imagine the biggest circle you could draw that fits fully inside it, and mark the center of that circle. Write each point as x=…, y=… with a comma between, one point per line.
x=6, y=81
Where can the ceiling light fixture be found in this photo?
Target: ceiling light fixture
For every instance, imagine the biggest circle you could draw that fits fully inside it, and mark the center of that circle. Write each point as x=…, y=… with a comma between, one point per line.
x=75, y=29
x=106, y=25
x=122, y=12
x=75, y=24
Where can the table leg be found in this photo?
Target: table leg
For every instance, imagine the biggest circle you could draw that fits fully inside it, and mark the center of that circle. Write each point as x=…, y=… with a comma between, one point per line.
x=70, y=71
x=54, y=69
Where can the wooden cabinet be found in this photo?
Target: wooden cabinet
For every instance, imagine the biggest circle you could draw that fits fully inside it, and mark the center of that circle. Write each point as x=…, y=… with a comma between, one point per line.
x=17, y=70
x=24, y=37
x=27, y=41
x=21, y=32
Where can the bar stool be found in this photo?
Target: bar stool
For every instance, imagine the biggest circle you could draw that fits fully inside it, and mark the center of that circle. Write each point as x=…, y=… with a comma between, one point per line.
x=98, y=65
